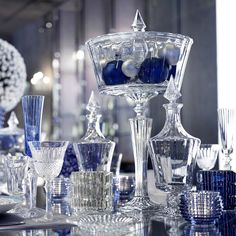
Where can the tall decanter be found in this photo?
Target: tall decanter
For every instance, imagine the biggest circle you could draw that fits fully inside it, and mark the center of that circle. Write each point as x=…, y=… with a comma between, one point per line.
x=173, y=150
x=93, y=151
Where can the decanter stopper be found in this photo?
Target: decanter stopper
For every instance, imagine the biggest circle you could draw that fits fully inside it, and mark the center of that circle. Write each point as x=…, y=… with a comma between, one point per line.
x=138, y=23
x=172, y=92
x=93, y=105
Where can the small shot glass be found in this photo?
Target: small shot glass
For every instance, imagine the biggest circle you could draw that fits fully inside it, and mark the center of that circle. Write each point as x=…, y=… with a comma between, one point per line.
x=126, y=188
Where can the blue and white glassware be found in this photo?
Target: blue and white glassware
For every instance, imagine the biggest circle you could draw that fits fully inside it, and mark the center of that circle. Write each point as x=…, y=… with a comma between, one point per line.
x=32, y=106
x=32, y=111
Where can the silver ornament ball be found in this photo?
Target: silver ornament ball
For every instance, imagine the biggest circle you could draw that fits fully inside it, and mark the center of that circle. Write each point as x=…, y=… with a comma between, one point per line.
x=129, y=68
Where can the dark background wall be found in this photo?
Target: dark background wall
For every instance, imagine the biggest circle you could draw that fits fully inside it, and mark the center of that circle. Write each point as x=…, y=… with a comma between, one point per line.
x=196, y=19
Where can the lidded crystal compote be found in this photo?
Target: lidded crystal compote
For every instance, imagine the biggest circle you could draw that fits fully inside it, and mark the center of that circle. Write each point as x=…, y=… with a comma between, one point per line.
x=173, y=151
x=94, y=152
x=138, y=66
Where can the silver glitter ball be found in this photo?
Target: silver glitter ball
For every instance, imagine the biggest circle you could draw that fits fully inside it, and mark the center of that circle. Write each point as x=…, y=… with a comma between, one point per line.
x=170, y=52
x=129, y=68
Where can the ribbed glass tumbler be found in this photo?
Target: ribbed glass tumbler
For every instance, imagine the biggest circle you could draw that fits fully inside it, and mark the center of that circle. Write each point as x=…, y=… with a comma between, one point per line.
x=92, y=191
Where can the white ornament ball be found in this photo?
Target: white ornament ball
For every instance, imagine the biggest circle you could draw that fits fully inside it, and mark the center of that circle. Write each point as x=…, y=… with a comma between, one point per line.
x=12, y=76
x=129, y=68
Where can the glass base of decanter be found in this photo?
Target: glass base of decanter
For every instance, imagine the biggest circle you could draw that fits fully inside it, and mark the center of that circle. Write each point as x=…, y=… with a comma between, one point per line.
x=27, y=213
x=143, y=204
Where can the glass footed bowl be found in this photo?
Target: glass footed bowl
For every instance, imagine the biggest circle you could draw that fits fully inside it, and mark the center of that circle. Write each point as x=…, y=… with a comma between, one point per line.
x=134, y=62
x=203, y=207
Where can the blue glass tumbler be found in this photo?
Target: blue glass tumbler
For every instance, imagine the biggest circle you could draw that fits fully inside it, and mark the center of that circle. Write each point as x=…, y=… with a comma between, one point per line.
x=222, y=181
x=32, y=111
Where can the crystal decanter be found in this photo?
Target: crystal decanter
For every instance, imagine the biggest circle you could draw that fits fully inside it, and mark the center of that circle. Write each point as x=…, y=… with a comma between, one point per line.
x=93, y=151
x=173, y=152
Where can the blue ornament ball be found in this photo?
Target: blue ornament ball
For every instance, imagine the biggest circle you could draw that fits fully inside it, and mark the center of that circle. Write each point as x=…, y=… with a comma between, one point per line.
x=154, y=70
x=112, y=73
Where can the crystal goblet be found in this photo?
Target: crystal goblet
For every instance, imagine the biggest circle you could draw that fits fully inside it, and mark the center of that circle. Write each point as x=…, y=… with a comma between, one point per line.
x=48, y=157
x=207, y=156
x=226, y=123
x=138, y=65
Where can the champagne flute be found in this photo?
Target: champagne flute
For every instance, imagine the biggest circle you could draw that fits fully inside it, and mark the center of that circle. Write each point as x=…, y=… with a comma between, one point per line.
x=226, y=122
x=48, y=157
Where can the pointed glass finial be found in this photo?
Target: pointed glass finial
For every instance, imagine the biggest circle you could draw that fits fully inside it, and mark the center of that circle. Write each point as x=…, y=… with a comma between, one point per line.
x=172, y=93
x=12, y=121
x=138, y=23
x=93, y=104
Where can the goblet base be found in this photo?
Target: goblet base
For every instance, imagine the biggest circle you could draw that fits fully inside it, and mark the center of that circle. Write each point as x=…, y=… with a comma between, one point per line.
x=27, y=213
x=143, y=204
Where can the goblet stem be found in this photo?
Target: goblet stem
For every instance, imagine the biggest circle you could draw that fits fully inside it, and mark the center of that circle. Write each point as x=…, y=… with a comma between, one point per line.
x=140, y=132
x=32, y=191
x=227, y=165
x=48, y=188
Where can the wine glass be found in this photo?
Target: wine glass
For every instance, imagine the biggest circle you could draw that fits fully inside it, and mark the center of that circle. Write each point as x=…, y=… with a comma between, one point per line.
x=226, y=122
x=207, y=156
x=48, y=157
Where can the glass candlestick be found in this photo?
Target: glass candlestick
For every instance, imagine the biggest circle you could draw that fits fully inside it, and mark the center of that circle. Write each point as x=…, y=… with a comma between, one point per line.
x=138, y=65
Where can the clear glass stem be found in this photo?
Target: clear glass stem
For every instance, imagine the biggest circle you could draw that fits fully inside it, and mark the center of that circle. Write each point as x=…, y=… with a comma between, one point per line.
x=48, y=187
x=228, y=159
x=32, y=191
x=140, y=133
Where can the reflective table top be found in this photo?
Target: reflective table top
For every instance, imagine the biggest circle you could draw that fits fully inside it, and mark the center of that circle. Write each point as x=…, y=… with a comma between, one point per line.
x=120, y=225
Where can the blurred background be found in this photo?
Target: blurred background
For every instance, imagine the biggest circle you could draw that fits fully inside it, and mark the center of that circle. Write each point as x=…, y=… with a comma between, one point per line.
x=51, y=35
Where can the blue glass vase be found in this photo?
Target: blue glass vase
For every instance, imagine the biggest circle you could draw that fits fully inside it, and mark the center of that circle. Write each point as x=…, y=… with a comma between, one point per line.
x=32, y=112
